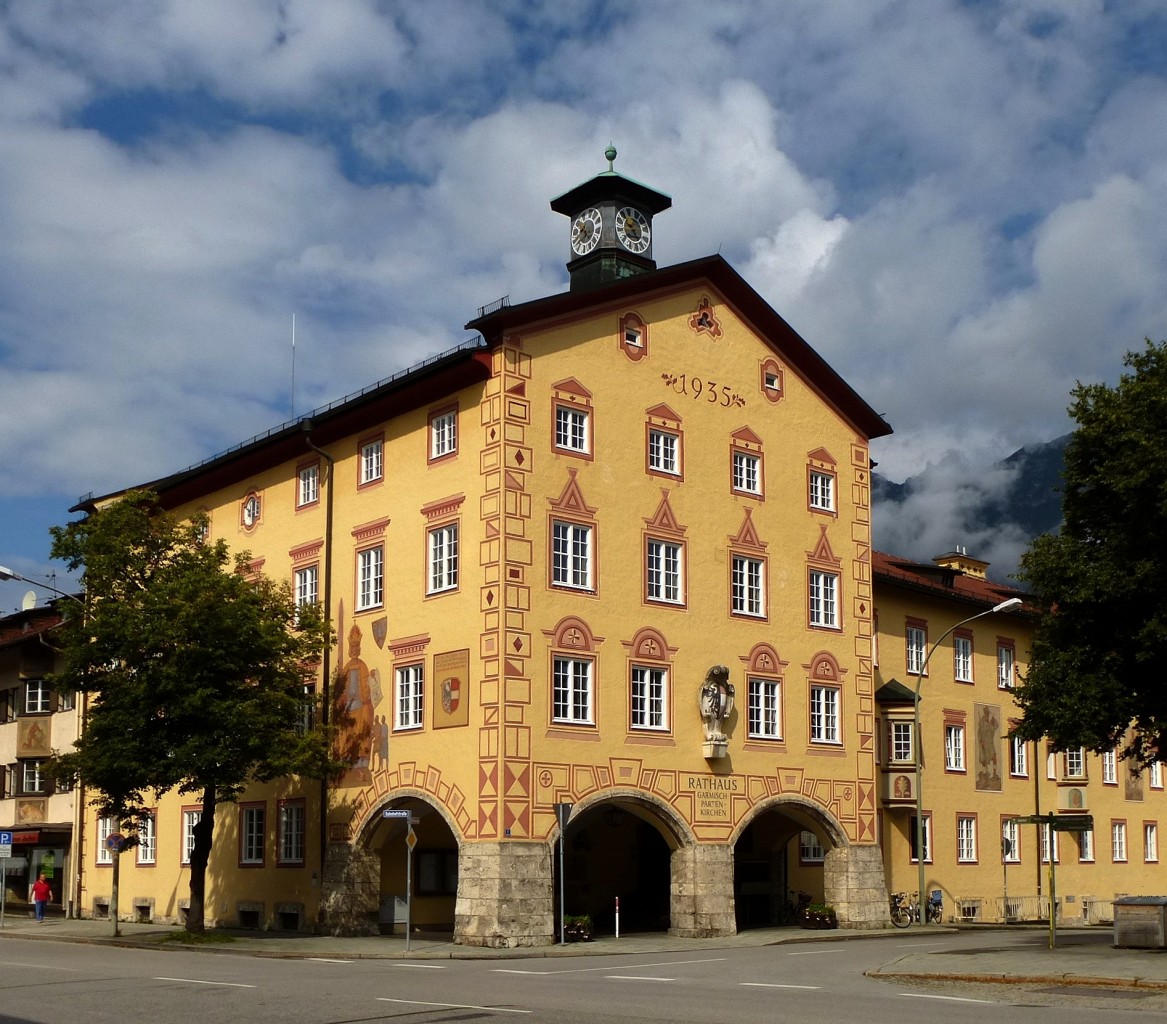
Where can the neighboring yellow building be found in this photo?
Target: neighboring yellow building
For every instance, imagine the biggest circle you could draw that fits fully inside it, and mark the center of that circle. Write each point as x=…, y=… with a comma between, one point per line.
x=613, y=553
x=978, y=779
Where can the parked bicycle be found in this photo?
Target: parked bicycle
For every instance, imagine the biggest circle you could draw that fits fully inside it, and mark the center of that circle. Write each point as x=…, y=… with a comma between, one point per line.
x=793, y=910
x=905, y=908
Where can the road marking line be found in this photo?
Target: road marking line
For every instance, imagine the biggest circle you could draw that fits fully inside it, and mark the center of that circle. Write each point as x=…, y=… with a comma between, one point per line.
x=592, y=970
x=43, y=967
x=764, y=984
x=815, y=952
x=950, y=999
x=634, y=977
x=424, y=967
x=196, y=981
x=450, y=1006
x=325, y=960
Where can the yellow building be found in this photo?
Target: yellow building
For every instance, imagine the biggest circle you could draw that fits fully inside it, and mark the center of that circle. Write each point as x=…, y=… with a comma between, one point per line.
x=613, y=553
x=979, y=782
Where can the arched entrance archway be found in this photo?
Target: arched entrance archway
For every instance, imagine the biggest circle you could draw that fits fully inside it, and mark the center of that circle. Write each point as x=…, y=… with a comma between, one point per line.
x=434, y=863
x=620, y=846
x=779, y=856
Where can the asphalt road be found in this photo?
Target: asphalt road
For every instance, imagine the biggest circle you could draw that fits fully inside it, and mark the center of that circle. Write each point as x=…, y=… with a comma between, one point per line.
x=69, y=983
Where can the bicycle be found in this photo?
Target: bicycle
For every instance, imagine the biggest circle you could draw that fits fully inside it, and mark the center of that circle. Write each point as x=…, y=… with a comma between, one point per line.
x=905, y=909
x=793, y=910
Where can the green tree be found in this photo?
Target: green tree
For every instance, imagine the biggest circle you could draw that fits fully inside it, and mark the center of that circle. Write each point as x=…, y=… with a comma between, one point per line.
x=1100, y=647
x=197, y=668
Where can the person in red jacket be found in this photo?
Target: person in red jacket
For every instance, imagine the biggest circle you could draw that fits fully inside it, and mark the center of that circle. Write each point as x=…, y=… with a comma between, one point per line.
x=41, y=894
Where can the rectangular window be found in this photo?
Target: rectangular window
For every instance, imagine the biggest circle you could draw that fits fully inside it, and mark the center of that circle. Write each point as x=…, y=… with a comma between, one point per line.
x=571, y=429
x=663, y=572
x=748, y=592
x=571, y=555
x=916, y=639
x=308, y=492
x=189, y=820
x=571, y=687
x=1109, y=767
x=147, y=840
x=764, y=709
x=37, y=697
x=307, y=720
x=33, y=780
x=747, y=475
x=663, y=449
x=252, y=825
x=649, y=698
x=824, y=714
x=444, y=434
x=291, y=838
x=1076, y=763
x=901, y=741
x=409, y=697
x=810, y=850
x=66, y=700
x=370, y=578
x=9, y=702
x=1118, y=841
x=106, y=827
x=372, y=461
x=1004, y=667
x=954, y=748
x=307, y=581
x=1018, y=757
x=1086, y=845
x=822, y=491
x=443, y=558
x=1150, y=842
x=1049, y=844
x=962, y=661
x=912, y=820
x=1011, y=842
x=1157, y=775
x=966, y=840
x=824, y=604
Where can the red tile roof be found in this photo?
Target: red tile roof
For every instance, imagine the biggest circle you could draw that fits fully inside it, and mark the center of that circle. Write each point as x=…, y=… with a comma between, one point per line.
x=938, y=581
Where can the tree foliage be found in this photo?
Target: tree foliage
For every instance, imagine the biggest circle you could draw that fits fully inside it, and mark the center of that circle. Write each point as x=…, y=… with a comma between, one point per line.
x=196, y=665
x=1096, y=675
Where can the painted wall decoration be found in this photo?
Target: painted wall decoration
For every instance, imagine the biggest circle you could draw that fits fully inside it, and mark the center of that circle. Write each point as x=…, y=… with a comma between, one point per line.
x=353, y=715
x=987, y=727
x=33, y=737
x=451, y=697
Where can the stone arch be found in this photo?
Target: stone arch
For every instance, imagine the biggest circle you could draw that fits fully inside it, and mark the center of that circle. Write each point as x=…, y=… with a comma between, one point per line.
x=646, y=806
x=372, y=817
x=853, y=878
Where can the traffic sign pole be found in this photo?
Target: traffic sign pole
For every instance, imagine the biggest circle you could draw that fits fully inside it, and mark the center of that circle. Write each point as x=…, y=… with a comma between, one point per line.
x=5, y=853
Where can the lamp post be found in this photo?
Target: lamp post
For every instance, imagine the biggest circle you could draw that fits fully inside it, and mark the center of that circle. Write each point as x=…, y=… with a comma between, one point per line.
x=921, y=903
x=7, y=574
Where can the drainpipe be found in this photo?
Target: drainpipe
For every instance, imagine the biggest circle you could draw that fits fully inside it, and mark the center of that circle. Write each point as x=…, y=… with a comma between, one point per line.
x=326, y=663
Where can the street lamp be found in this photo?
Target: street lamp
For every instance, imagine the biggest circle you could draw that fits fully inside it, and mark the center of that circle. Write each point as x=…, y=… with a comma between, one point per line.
x=7, y=574
x=921, y=904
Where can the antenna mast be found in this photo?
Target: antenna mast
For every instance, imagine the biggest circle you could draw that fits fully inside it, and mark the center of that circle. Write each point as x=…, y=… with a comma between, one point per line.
x=293, y=365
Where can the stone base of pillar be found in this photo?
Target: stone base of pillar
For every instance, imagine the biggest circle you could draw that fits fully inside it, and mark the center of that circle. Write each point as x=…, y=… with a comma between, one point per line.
x=350, y=896
x=701, y=892
x=505, y=895
x=855, y=886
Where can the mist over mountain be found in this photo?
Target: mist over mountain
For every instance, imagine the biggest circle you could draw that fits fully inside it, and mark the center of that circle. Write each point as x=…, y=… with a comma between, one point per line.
x=993, y=512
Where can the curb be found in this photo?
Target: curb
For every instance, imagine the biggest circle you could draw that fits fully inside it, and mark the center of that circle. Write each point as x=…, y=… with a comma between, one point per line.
x=1079, y=980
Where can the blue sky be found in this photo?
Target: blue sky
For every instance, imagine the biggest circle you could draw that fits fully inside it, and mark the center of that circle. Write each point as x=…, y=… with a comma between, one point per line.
x=962, y=206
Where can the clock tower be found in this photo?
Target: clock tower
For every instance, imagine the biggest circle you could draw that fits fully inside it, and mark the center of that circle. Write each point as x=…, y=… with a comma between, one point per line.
x=611, y=227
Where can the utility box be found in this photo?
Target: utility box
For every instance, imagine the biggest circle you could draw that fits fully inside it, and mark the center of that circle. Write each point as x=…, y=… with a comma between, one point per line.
x=1140, y=922
x=391, y=915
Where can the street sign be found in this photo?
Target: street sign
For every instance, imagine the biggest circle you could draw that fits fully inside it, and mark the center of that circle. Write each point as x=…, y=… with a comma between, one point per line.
x=396, y=812
x=5, y=845
x=1033, y=819
x=1073, y=822
x=114, y=842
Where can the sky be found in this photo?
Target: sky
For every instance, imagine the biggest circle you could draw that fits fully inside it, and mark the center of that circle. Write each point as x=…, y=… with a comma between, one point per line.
x=961, y=205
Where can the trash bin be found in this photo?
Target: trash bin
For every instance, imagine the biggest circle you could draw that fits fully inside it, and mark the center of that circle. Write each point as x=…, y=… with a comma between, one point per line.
x=1140, y=922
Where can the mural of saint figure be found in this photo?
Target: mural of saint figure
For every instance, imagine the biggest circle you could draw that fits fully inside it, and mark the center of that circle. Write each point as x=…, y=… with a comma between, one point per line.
x=353, y=715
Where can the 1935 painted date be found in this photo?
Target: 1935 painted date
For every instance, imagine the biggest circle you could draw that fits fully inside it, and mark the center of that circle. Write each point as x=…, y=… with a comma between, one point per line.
x=703, y=390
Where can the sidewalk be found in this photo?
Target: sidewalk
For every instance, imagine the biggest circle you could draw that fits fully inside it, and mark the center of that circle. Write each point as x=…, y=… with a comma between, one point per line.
x=1011, y=955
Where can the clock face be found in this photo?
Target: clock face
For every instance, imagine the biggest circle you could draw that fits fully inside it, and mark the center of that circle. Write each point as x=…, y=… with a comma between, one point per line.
x=585, y=232
x=632, y=229
x=251, y=510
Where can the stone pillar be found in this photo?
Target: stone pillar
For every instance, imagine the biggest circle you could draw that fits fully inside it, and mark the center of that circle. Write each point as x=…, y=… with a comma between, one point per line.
x=350, y=897
x=855, y=886
x=505, y=896
x=701, y=892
